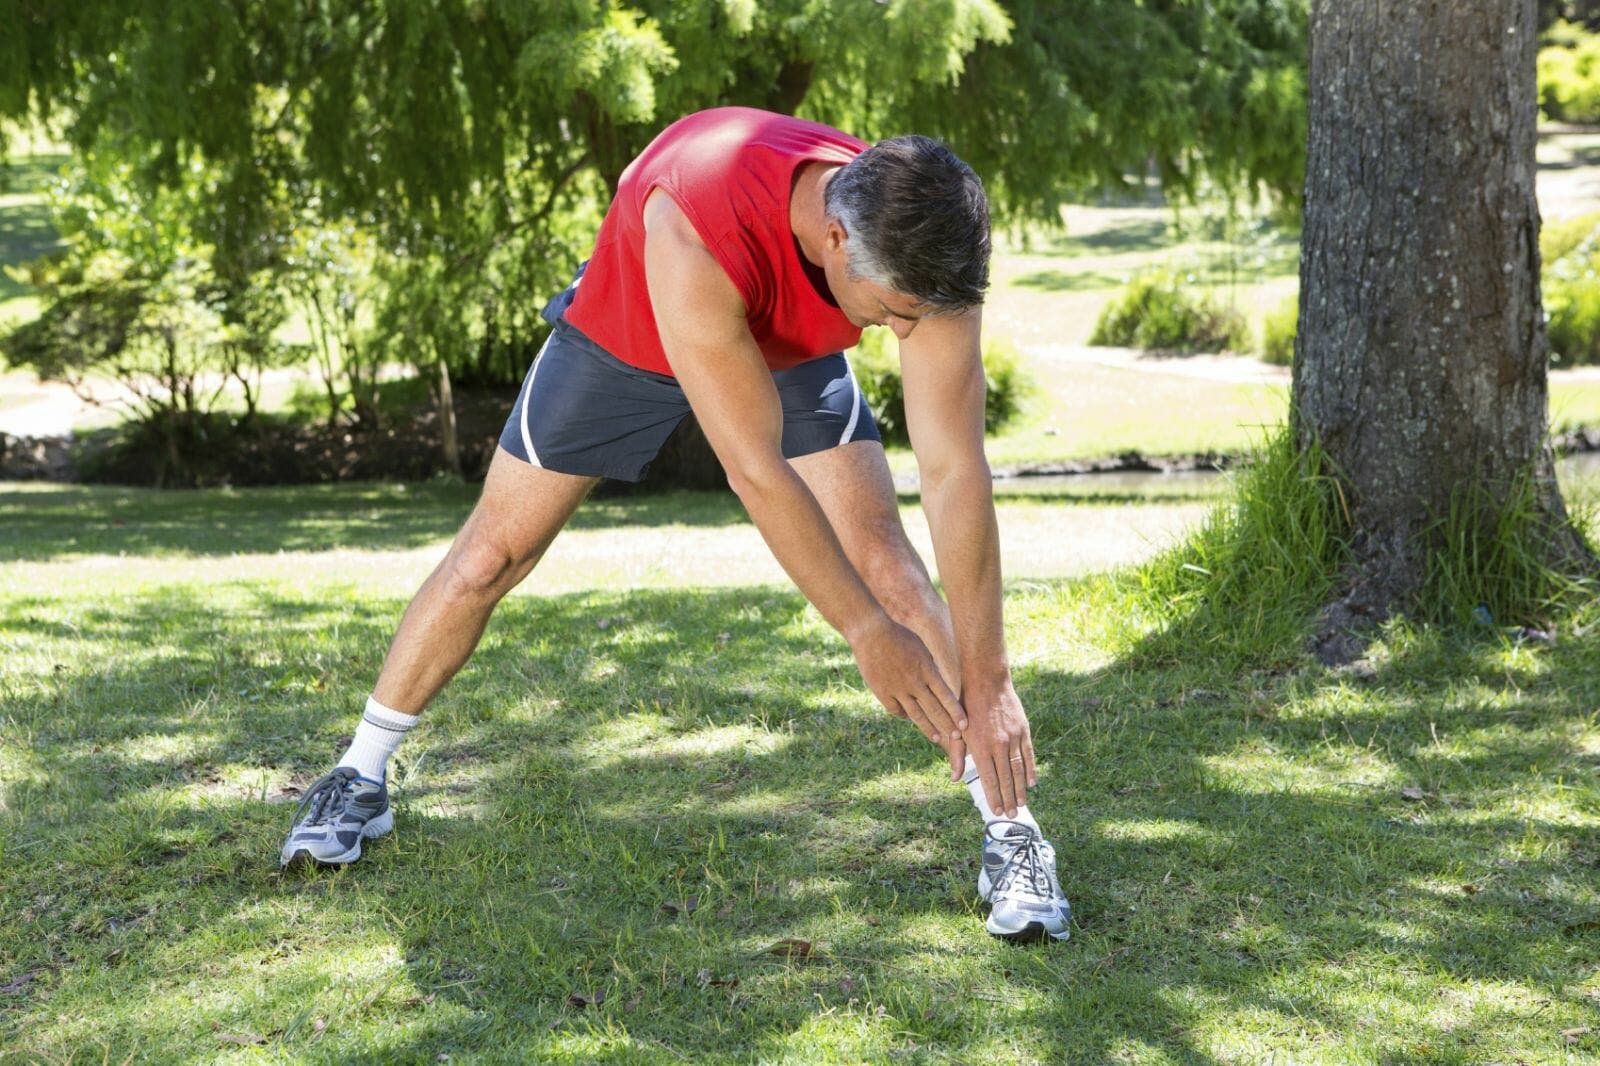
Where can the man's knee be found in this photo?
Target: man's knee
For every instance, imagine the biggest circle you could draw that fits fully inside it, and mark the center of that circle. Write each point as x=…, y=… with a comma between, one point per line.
x=894, y=571
x=481, y=568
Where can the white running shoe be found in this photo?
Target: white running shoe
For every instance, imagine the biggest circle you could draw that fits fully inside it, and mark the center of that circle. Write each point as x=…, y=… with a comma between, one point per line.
x=338, y=812
x=1018, y=880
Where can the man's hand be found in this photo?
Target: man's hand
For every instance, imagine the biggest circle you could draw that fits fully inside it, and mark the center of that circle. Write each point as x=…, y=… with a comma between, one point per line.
x=899, y=670
x=1001, y=745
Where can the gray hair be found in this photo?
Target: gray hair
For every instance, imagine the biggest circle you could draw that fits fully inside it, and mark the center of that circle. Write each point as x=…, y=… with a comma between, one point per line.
x=917, y=221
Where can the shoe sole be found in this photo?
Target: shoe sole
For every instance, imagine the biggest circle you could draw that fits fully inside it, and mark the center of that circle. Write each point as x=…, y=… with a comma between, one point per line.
x=1032, y=933
x=377, y=827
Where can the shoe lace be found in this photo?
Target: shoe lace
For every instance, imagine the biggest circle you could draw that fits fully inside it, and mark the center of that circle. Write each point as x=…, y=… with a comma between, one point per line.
x=325, y=800
x=1026, y=864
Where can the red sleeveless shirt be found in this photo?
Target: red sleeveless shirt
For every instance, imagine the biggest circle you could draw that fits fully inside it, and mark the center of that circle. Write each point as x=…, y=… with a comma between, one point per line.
x=730, y=171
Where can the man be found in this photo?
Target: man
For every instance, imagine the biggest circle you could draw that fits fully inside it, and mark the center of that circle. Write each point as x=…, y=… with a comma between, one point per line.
x=743, y=252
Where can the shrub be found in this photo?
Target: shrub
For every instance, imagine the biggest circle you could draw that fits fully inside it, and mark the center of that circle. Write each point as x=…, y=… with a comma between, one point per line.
x=1569, y=77
x=1561, y=237
x=876, y=364
x=1570, y=250
x=1570, y=282
x=1278, y=331
x=1572, y=308
x=1158, y=312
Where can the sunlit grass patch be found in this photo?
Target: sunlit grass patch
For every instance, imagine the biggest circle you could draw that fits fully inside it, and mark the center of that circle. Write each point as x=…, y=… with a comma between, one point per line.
x=632, y=795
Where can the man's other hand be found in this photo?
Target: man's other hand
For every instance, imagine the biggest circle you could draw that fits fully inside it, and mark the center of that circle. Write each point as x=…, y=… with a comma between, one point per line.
x=1001, y=745
x=901, y=673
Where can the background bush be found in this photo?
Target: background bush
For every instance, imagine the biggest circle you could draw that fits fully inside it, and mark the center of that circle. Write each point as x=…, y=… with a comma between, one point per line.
x=876, y=364
x=1278, y=331
x=1569, y=74
x=1570, y=280
x=1158, y=311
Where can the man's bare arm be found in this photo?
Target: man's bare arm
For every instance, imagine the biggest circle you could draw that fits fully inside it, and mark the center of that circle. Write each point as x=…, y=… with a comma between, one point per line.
x=701, y=320
x=942, y=369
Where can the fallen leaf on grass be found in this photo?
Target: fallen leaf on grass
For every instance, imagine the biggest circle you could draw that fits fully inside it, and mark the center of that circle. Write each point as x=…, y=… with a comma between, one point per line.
x=1471, y=890
x=1572, y=1036
x=581, y=1001
x=792, y=947
x=318, y=1024
x=18, y=983
x=686, y=907
x=246, y=1039
x=1413, y=793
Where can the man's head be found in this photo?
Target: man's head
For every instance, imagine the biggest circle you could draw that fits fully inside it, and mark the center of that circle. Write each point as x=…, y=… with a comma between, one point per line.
x=912, y=219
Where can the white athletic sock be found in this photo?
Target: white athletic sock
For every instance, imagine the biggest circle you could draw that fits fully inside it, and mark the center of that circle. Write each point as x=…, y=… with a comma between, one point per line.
x=379, y=734
x=974, y=785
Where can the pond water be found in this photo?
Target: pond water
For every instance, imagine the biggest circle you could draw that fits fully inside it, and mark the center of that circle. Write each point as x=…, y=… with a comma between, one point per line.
x=1579, y=476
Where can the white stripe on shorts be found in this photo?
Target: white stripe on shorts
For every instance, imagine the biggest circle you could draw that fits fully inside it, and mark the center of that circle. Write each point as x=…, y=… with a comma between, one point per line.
x=855, y=405
x=527, y=397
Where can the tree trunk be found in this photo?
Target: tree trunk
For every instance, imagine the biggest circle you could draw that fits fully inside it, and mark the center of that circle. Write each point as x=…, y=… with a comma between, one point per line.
x=447, y=420
x=1421, y=361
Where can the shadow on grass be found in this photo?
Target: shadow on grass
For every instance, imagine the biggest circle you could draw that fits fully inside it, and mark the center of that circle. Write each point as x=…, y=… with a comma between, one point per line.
x=608, y=755
x=49, y=523
x=25, y=234
x=1130, y=235
x=1069, y=281
x=29, y=175
x=1587, y=155
x=61, y=521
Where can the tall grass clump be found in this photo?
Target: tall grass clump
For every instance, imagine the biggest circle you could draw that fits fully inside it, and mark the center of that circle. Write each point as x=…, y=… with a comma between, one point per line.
x=1245, y=586
x=1490, y=559
x=1158, y=311
x=876, y=365
x=1247, y=581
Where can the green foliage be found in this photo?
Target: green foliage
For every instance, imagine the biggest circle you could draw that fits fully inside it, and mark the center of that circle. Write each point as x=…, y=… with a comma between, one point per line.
x=1569, y=75
x=1559, y=238
x=1570, y=284
x=1572, y=309
x=134, y=296
x=1278, y=331
x=1245, y=583
x=1043, y=106
x=1158, y=311
x=876, y=365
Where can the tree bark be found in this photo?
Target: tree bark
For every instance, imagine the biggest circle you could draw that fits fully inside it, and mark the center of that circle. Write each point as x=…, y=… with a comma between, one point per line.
x=1420, y=366
x=447, y=420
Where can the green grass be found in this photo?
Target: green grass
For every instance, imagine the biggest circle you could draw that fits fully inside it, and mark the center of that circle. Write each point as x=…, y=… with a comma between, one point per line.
x=1267, y=863
x=25, y=229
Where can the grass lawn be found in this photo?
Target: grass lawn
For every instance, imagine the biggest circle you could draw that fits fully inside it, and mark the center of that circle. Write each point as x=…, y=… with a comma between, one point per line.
x=644, y=782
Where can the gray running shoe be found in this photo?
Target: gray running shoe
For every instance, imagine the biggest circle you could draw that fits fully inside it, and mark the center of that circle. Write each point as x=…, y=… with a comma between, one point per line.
x=1018, y=879
x=337, y=812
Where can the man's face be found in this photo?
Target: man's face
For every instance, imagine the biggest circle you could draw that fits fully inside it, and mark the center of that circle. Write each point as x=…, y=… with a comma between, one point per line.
x=866, y=303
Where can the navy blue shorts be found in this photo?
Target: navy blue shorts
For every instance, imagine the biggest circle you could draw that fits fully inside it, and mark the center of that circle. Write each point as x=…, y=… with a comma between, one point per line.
x=584, y=411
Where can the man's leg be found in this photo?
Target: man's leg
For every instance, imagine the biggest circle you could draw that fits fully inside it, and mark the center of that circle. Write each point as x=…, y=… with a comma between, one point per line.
x=853, y=485
x=521, y=510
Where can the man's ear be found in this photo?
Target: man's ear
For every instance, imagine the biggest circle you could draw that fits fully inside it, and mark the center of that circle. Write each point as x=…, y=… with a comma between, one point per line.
x=834, y=237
